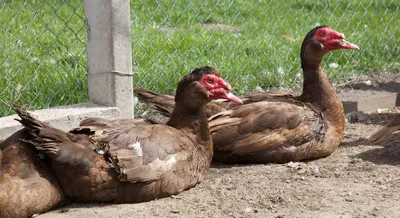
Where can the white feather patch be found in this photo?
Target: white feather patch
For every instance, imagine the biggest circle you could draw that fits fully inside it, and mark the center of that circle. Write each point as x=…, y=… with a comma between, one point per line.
x=138, y=148
x=164, y=165
x=100, y=151
x=291, y=148
x=171, y=160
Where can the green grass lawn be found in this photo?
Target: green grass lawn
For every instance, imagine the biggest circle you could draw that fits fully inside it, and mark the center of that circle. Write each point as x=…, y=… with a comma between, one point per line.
x=43, y=58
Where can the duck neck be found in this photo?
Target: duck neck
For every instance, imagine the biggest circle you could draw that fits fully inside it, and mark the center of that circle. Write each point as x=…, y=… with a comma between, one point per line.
x=318, y=91
x=192, y=121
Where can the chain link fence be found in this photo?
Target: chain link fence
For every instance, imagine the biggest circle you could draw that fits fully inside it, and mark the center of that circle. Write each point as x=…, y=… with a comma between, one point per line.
x=255, y=43
x=43, y=57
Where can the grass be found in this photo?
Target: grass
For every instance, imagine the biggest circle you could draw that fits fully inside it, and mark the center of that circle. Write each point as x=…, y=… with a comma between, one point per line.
x=43, y=59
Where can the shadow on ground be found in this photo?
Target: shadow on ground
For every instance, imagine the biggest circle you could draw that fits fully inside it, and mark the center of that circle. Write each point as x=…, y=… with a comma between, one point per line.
x=386, y=152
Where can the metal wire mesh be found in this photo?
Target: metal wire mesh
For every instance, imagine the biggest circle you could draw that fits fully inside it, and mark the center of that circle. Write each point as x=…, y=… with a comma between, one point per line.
x=43, y=58
x=256, y=43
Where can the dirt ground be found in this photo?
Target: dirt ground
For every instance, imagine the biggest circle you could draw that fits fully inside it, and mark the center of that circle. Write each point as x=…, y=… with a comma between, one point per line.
x=360, y=179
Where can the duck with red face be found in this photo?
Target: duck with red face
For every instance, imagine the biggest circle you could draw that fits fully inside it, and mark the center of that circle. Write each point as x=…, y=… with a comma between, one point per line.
x=332, y=40
x=130, y=160
x=277, y=126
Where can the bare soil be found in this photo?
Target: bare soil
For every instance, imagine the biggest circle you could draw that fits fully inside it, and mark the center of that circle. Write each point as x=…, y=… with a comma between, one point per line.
x=369, y=86
x=360, y=179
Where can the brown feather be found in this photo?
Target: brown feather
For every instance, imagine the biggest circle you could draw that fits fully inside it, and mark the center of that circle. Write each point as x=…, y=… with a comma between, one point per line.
x=164, y=104
x=27, y=184
x=388, y=129
x=263, y=127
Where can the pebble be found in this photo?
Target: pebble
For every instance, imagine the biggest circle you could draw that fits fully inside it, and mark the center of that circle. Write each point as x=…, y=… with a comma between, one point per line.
x=315, y=171
x=355, y=160
x=382, y=110
x=348, y=199
x=368, y=82
x=175, y=211
x=292, y=164
x=355, y=116
x=64, y=210
x=248, y=209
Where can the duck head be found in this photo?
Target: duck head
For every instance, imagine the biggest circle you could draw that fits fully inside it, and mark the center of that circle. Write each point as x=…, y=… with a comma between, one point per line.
x=208, y=86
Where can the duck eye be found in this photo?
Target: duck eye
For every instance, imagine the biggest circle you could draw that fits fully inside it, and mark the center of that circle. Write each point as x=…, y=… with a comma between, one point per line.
x=322, y=33
x=210, y=80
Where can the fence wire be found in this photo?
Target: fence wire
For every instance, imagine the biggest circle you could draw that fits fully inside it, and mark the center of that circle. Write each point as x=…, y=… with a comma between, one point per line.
x=42, y=58
x=255, y=43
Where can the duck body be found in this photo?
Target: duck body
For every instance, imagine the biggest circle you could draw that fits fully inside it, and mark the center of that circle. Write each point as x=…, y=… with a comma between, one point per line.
x=127, y=160
x=145, y=161
x=27, y=184
x=277, y=126
x=278, y=130
x=284, y=128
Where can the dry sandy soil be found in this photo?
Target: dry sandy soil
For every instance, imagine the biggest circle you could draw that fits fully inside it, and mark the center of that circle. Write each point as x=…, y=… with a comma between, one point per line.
x=360, y=179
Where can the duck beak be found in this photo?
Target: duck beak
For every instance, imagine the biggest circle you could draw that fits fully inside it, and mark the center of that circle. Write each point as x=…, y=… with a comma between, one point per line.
x=343, y=44
x=223, y=93
x=231, y=97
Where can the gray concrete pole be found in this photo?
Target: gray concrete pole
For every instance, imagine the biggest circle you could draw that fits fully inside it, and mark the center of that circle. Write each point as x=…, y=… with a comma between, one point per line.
x=109, y=54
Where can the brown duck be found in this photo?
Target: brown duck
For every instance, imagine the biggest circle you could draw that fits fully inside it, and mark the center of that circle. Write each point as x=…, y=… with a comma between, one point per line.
x=130, y=160
x=388, y=129
x=277, y=127
x=27, y=184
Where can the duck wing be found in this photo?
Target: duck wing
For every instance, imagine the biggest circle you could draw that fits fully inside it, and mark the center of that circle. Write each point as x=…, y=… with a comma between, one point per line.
x=267, y=131
x=137, y=150
x=388, y=129
x=92, y=160
x=265, y=96
x=164, y=104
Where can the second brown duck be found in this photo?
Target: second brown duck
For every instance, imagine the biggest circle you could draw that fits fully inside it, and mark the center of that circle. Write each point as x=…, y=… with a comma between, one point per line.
x=27, y=184
x=278, y=127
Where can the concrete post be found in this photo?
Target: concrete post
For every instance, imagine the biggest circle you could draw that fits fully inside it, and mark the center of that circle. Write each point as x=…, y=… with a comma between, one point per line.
x=109, y=54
